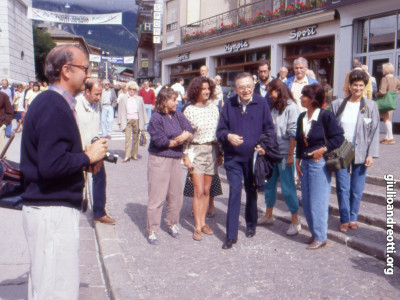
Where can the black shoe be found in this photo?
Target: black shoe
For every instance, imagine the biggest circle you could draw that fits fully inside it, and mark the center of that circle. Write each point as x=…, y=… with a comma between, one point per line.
x=228, y=244
x=250, y=232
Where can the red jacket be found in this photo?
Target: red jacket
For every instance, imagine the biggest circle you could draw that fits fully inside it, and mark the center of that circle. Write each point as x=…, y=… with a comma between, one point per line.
x=149, y=97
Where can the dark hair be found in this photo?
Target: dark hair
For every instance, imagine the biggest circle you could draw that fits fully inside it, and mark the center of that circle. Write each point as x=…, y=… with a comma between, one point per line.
x=316, y=93
x=263, y=62
x=284, y=94
x=195, y=86
x=56, y=59
x=163, y=96
x=90, y=83
x=243, y=75
x=180, y=79
x=37, y=84
x=358, y=75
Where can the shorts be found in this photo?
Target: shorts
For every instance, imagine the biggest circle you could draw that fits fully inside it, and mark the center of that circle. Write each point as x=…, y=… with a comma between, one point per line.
x=205, y=159
x=18, y=115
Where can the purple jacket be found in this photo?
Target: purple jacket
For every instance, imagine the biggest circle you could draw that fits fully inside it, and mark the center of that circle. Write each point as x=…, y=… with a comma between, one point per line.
x=250, y=125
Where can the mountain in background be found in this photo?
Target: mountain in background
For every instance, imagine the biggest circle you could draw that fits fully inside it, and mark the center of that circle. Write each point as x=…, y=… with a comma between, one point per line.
x=114, y=39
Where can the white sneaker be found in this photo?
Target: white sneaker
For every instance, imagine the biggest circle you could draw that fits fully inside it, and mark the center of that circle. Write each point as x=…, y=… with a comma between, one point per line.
x=152, y=238
x=265, y=221
x=174, y=231
x=293, y=229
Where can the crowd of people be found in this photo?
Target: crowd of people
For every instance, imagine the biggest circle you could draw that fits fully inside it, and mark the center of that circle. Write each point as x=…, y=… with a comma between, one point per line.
x=196, y=127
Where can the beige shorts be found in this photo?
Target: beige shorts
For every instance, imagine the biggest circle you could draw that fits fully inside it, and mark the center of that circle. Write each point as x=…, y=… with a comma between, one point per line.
x=205, y=159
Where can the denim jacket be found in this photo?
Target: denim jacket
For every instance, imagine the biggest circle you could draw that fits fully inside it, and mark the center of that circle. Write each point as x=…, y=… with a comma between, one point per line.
x=367, y=131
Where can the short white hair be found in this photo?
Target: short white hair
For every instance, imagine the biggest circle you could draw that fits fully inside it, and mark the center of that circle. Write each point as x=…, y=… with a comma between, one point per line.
x=132, y=85
x=301, y=60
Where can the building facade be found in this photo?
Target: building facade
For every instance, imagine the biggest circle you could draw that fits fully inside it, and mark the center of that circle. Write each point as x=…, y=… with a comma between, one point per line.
x=16, y=42
x=232, y=36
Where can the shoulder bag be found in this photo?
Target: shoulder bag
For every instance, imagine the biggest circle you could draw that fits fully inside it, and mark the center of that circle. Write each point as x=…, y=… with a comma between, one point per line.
x=387, y=103
x=341, y=157
x=142, y=138
x=11, y=181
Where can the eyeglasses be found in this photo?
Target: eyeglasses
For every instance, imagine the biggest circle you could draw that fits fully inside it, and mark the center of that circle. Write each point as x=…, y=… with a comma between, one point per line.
x=83, y=68
x=243, y=88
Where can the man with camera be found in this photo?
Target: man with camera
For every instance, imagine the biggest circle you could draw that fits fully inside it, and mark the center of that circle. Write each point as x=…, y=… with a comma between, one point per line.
x=88, y=118
x=53, y=162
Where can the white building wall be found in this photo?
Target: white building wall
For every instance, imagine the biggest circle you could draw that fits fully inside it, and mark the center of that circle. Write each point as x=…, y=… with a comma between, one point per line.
x=16, y=37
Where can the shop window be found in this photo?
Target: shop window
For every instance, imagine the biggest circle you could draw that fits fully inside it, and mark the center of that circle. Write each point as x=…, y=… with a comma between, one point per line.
x=382, y=33
x=310, y=48
x=398, y=32
x=362, y=31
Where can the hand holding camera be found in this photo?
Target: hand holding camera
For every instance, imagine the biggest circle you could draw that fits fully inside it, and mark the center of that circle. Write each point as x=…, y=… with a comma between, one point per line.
x=97, y=150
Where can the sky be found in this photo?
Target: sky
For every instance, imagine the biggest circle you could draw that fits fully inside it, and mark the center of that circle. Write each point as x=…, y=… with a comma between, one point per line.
x=107, y=5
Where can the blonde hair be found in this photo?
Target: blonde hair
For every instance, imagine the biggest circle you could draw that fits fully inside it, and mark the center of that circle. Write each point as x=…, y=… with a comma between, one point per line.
x=387, y=68
x=132, y=85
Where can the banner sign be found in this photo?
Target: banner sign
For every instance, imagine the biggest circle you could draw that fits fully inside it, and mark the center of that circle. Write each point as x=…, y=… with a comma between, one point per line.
x=112, y=59
x=51, y=16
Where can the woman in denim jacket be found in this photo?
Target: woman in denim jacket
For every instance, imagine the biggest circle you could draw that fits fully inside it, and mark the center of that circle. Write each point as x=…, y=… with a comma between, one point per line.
x=359, y=118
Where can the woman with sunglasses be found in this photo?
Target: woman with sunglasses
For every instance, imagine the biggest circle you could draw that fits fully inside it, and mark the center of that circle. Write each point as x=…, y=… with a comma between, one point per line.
x=169, y=130
x=201, y=156
x=318, y=132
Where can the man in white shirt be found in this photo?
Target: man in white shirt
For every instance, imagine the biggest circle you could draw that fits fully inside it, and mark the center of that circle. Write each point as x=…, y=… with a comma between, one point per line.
x=88, y=118
x=300, y=80
x=108, y=101
x=218, y=92
x=178, y=87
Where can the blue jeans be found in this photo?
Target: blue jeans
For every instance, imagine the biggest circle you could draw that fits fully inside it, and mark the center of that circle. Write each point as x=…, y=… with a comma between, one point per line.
x=285, y=175
x=8, y=130
x=315, y=191
x=107, y=119
x=236, y=172
x=148, y=108
x=99, y=193
x=349, y=190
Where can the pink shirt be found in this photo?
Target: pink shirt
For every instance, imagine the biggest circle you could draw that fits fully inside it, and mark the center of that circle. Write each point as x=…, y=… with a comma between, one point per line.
x=132, y=109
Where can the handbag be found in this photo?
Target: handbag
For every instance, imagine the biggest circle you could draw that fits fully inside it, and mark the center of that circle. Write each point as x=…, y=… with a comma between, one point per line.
x=11, y=181
x=387, y=103
x=341, y=157
x=142, y=138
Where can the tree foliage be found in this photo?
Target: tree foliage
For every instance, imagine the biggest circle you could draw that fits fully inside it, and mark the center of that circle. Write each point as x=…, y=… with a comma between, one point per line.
x=42, y=44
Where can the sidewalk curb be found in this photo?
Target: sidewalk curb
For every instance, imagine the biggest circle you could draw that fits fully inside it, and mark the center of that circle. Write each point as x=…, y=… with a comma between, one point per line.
x=118, y=280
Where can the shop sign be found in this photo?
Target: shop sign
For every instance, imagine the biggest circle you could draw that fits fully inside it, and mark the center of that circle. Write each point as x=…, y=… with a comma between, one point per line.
x=231, y=47
x=298, y=34
x=183, y=56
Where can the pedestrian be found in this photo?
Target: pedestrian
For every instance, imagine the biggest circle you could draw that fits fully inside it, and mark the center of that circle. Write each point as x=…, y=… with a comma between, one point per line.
x=357, y=65
x=201, y=156
x=149, y=98
x=318, y=132
x=178, y=87
x=204, y=71
x=219, y=94
x=133, y=120
x=10, y=92
x=6, y=117
x=52, y=162
x=359, y=118
x=284, y=113
x=169, y=130
x=389, y=83
x=107, y=104
x=244, y=118
x=265, y=78
x=31, y=95
x=299, y=80
x=283, y=72
x=88, y=118
x=18, y=104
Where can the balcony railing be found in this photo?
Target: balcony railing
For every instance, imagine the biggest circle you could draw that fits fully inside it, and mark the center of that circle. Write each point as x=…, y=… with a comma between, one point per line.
x=266, y=11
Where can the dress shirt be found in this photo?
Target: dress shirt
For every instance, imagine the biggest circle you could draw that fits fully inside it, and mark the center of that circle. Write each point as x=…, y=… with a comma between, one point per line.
x=297, y=87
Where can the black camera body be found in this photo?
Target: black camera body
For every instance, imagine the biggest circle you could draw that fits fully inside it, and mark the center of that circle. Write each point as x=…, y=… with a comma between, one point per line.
x=110, y=156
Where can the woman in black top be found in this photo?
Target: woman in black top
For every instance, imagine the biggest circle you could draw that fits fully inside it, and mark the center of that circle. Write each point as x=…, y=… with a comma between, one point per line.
x=318, y=132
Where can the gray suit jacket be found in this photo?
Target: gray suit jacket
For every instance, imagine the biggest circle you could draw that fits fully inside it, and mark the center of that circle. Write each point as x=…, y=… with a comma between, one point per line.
x=367, y=131
x=143, y=119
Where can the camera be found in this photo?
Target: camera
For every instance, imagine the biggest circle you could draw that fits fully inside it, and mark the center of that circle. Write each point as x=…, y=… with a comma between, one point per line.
x=110, y=156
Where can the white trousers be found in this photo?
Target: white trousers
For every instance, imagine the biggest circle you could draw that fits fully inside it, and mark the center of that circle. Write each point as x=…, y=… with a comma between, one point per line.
x=52, y=233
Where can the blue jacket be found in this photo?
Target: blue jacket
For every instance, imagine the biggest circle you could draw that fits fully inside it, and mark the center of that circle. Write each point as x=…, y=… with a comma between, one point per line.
x=289, y=81
x=315, y=139
x=250, y=125
x=257, y=90
x=52, y=159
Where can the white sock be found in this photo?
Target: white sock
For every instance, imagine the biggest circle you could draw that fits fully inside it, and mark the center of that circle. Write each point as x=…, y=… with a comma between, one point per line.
x=389, y=132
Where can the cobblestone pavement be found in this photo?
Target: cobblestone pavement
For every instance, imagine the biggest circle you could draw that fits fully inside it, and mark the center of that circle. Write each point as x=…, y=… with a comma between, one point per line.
x=267, y=266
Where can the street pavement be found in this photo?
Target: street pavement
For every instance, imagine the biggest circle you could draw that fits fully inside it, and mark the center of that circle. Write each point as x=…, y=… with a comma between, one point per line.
x=117, y=261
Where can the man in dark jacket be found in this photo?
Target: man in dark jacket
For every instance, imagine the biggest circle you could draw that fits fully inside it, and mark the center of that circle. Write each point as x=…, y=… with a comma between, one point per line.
x=265, y=79
x=52, y=162
x=243, y=119
x=6, y=116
